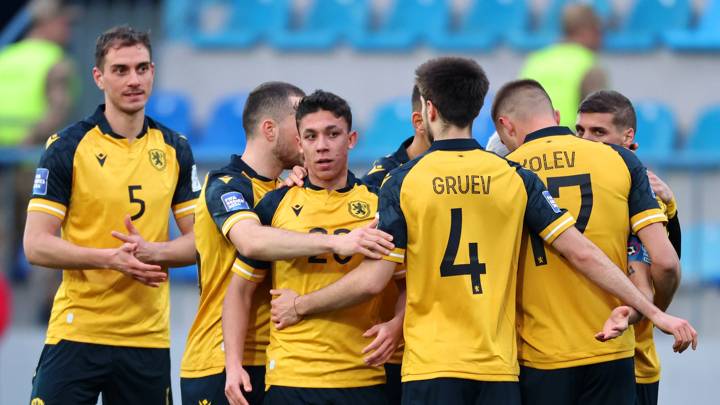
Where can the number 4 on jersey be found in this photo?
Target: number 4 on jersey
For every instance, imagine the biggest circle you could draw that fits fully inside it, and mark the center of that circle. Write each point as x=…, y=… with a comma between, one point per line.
x=448, y=268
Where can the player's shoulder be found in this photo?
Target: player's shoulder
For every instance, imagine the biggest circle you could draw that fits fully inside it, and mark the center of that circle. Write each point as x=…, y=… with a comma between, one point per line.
x=66, y=141
x=170, y=136
x=224, y=179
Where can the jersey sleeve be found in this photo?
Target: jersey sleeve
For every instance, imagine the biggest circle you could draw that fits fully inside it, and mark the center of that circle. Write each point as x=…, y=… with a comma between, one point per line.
x=52, y=186
x=644, y=208
x=188, y=185
x=375, y=176
x=229, y=203
x=248, y=268
x=542, y=214
x=392, y=219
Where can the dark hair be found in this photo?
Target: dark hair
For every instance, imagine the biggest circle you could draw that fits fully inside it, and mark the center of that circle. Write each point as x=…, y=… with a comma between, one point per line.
x=504, y=97
x=119, y=37
x=268, y=99
x=324, y=100
x=609, y=101
x=455, y=86
x=415, y=99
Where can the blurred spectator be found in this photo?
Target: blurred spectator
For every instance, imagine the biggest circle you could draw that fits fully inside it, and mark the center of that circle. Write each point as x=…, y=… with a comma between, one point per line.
x=36, y=77
x=568, y=70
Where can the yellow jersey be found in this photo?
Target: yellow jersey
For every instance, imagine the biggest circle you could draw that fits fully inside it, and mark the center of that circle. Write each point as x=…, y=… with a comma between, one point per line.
x=323, y=350
x=90, y=178
x=228, y=196
x=607, y=189
x=456, y=214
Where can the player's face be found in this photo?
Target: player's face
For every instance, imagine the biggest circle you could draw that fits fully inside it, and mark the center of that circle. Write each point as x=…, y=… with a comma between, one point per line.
x=599, y=127
x=325, y=141
x=126, y=78
x=286, y=148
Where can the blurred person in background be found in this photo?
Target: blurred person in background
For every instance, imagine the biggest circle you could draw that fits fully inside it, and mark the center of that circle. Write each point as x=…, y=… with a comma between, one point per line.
x=568, y=70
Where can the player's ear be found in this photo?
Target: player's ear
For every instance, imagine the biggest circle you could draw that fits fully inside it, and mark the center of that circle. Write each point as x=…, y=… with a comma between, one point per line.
x=98, y=77
x=268, y=129
x=628, y=137
x=417, y=121
x=556, y=115
x=353, y=138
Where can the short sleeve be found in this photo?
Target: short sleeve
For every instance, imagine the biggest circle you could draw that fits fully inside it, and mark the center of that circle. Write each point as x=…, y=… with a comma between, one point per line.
x=542, y=214
x=188, y=185
x=644, y=208
x=375, y=176
x=52, y=185
x=229, y=200
x=392, y=219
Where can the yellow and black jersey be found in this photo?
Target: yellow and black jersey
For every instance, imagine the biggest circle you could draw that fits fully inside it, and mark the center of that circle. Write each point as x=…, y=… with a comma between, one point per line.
x=374, y=178
x=90, y=178
x=456, y=214
x=324, y=350
x=607, y=189
x=228, y=196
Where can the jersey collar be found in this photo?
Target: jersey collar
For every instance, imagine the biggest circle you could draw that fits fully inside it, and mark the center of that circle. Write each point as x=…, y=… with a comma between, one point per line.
x=99, y=118
x=238, y=164
x=351, y=182
x=455, y=144
x=549, y=131
x=401, y=155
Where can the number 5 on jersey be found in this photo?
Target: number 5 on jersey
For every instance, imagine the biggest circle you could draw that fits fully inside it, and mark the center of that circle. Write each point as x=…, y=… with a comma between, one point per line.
x=448, y=268
x=135, y=200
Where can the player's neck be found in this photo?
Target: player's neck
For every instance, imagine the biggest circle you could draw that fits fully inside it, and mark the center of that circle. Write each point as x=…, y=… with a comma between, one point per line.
x=453, y=132
x=333, y=184
x=264, y=164
x=124, y=124
x=418, y=146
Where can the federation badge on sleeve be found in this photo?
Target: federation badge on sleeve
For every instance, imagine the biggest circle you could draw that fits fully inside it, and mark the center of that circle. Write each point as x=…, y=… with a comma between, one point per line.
x=551, y=201
x=41, y=180
x=359, y=209
x=196, y=186
x=234, y=201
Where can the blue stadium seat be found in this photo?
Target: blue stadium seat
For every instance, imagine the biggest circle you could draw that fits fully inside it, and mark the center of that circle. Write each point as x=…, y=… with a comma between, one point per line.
x=224, y=131
x=700, y=255
x=647, y=20
x=327, y=22
x=706, y=37
x=172, y=109
x=656, y=130
x=483, y=127
x=704, y=142
x=241, y=23
x=407, y=23
x=484, y=25
x=549, y=28
x=389, y=126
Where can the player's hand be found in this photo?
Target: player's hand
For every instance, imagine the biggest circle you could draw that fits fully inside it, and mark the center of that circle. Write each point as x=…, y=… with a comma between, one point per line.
x=144, y=251
x=295, y=178
x=388, y=336
x=282, y=311
x=123, y=260
x=367, y=240
x=237, y=380
x=684, y=333
x=660, y=188
x=615, y=325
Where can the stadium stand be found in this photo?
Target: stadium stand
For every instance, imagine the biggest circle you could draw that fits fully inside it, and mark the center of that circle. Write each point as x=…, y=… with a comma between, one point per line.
x=388, y=127
x=647, y=20
x=173, y=109
x=699, y=260
x=704, y=142
x=656, y=131
x=704, y=37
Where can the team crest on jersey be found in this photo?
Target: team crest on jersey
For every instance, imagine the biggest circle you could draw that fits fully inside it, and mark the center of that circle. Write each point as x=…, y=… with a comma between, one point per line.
x=234, y=201
x=551, y=201
x=37, y=401
x=359, y=209
x=157, y=159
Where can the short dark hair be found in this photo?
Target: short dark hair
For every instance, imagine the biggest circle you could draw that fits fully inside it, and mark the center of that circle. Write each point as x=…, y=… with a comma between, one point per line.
x=119, y=37
x=504, y=98
x=324, y=100
x=415, y=99
x=612, y=102
x=456, y=87
x=268, y=99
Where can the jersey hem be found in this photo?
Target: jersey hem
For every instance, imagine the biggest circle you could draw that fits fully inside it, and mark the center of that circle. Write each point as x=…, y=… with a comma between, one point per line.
x=461, y=375
x=578, y=362
x=312, y=383
x=647, y=380
x=52, y=340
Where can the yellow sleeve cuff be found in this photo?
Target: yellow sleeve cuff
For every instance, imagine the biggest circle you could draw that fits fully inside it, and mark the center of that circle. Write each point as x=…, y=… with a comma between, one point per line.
x=557, y=227
x=248, y=272
x=184, y=209
x=235, y=218
x=397, y=256
x=49, y=207
x=645, y=218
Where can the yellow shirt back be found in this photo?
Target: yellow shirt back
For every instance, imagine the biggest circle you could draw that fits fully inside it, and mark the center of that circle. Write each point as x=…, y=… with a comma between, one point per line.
x=324, y=350
x=606, y=188
x=91, y=178
x=456, y=215
x=228, y=196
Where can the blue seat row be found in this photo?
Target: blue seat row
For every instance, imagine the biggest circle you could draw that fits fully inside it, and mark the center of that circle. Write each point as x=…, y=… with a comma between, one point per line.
x=408, y=23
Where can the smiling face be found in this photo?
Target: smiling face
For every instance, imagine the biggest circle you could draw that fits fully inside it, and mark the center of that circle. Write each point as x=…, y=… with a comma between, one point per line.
x=325, y=141
x=126, y=77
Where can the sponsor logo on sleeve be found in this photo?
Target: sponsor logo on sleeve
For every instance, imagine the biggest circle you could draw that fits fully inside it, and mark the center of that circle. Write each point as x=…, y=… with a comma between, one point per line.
x=41, y=180
x=234, y=201
x=196, y=186
x=551, y=201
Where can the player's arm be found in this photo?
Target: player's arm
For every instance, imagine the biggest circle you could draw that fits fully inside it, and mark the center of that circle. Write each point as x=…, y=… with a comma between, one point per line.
x=235, y=318
x=387, y=334
x=174, y=253
x=44, y=248
x=665, y=265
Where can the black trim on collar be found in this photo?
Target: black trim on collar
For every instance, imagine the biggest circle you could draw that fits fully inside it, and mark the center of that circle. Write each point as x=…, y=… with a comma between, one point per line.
x=549, y=131
x=99, y=118
x=352, y=181
x=455, y=144
x=238, y=164
x=400, y=154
